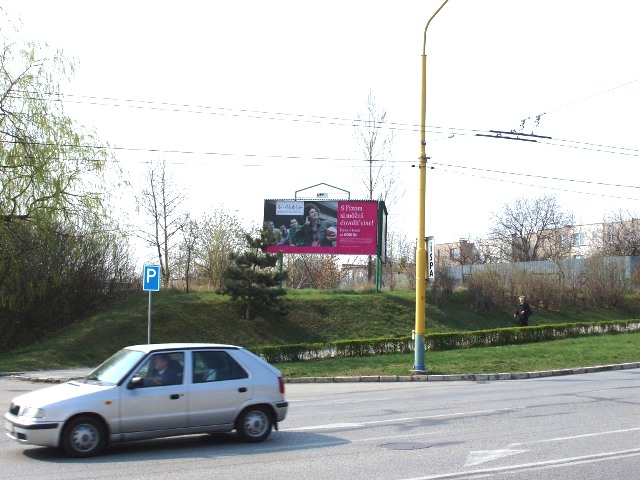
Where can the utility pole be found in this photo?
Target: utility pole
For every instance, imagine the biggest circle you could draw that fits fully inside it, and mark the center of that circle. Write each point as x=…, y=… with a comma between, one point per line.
x=421, y=250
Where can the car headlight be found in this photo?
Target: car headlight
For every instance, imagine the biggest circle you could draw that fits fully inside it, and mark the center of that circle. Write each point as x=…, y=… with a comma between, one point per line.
x=33, y=412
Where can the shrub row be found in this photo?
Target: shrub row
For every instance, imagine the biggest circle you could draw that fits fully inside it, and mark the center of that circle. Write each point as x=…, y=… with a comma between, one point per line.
x=441, y=341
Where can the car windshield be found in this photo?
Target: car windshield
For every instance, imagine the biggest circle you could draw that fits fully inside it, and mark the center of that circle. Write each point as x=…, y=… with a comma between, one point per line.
x=117, y=366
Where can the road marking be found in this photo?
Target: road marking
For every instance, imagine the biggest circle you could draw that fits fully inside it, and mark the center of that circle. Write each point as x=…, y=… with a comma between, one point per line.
x=329, y=426
x=561, y=462
x=574, y=437
x=482, y=456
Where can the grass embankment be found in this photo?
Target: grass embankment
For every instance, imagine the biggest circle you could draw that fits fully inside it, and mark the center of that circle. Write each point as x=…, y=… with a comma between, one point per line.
x=319, y=316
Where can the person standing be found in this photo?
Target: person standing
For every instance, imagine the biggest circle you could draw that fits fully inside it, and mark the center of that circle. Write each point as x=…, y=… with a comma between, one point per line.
x=523, y=312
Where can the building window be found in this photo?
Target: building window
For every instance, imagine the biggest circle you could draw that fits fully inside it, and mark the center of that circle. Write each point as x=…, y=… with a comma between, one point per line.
x=579, y=239
x=454, y=253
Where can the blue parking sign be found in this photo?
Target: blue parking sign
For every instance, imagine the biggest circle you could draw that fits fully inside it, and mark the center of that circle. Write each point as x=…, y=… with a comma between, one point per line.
x=151, y=278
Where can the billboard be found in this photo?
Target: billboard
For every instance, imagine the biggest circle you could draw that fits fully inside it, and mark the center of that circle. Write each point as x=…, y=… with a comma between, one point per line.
x=338, y=227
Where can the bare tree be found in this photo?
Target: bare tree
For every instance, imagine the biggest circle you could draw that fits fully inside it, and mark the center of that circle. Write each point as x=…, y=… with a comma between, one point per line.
x=530, y=230
x=313, y=271
x=221, y=234
x=375, y=142
x=161, y=201
x=465, y=253
x=491, y=249
x=190, y=239
x=468, y=253
x=400, y=260
x=620, y=234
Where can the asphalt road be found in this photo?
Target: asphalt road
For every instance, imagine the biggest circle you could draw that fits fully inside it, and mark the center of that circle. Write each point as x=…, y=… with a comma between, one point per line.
x=571, y=427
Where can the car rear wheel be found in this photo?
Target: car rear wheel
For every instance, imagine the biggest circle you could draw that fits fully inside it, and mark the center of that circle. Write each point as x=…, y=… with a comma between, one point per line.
x=254, y=424
x=83, y=437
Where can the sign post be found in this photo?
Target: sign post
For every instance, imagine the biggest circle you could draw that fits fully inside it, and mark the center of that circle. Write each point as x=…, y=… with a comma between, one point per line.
x=150, y=283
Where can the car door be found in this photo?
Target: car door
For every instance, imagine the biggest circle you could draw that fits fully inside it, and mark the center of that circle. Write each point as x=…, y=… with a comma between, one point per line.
x=155, y=406
x=219, y=389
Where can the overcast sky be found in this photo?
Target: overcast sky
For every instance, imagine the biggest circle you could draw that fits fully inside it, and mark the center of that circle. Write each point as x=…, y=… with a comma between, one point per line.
x=253, y=100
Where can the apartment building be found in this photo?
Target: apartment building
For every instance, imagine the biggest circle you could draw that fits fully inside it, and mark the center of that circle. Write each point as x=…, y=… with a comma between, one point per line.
x=618, y=238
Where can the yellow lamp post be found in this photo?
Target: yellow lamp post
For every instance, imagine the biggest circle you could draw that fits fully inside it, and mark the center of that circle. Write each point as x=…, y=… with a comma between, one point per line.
x=421, y=250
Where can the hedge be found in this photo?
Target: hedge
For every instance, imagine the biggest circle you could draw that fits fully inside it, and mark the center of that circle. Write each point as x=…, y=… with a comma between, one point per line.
x=442, y=341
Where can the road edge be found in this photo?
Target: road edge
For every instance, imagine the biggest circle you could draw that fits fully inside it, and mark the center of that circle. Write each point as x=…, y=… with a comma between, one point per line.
x=60, y=376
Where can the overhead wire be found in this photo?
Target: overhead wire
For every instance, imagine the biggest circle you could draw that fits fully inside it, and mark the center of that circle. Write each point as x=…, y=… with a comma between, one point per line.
x=326, y=120
x=584, y=145
x=540, y=177
x=570, y=104
x=562, y=143
x=542, y=186
x=452, y=132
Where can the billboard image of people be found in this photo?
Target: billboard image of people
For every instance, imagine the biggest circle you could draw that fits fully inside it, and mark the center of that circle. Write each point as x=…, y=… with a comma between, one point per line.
x=332, y=227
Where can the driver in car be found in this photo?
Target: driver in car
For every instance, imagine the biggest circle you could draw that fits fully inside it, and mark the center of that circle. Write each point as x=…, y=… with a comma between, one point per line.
x=163, y=373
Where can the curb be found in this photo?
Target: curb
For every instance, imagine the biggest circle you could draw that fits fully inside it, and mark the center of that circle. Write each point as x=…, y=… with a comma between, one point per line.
x=60, y=377
x=47, y=376
x=483, y=377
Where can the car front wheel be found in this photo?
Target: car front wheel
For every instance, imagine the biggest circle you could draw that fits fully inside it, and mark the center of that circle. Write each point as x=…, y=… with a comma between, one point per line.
x=83, y=437
x=254, y=424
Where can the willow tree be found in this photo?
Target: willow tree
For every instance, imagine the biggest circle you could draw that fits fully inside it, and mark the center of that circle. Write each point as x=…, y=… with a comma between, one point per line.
x=50, y=168
x=54, y=233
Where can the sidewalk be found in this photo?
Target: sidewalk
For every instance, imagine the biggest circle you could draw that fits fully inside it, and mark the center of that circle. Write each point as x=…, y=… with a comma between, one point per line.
x=62, y=375
x=48, y=376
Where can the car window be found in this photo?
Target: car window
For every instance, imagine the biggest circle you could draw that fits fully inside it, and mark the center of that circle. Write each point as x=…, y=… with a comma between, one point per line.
x=162, y=369
x=215, y=366
x=117, y=366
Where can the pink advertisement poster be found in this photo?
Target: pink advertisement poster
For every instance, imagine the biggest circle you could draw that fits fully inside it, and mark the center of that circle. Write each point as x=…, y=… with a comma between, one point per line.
x=343, y=227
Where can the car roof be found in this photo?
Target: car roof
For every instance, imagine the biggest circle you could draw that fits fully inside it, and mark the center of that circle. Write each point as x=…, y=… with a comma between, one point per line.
x=157, y=347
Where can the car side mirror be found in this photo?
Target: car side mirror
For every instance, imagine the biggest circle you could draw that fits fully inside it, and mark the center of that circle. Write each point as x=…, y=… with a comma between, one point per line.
x=136, y=382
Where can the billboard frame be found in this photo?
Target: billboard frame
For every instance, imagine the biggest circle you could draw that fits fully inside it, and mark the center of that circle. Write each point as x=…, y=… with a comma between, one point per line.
x=338, y=227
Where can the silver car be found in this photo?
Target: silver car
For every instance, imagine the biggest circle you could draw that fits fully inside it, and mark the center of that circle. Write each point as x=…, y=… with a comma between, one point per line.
x=150, y=391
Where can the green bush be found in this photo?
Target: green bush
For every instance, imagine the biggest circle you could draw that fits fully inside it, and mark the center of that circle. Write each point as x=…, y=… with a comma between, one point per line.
x=442, y=341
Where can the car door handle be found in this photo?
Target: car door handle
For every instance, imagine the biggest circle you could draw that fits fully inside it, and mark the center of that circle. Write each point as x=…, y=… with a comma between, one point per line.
x=242, y=389
x=174, y=396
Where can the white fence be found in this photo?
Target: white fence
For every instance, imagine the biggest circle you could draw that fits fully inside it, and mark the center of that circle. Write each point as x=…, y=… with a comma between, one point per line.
x=571, y=269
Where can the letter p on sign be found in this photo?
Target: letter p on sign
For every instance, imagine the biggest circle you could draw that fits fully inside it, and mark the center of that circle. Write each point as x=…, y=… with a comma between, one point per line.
x=151, y=278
